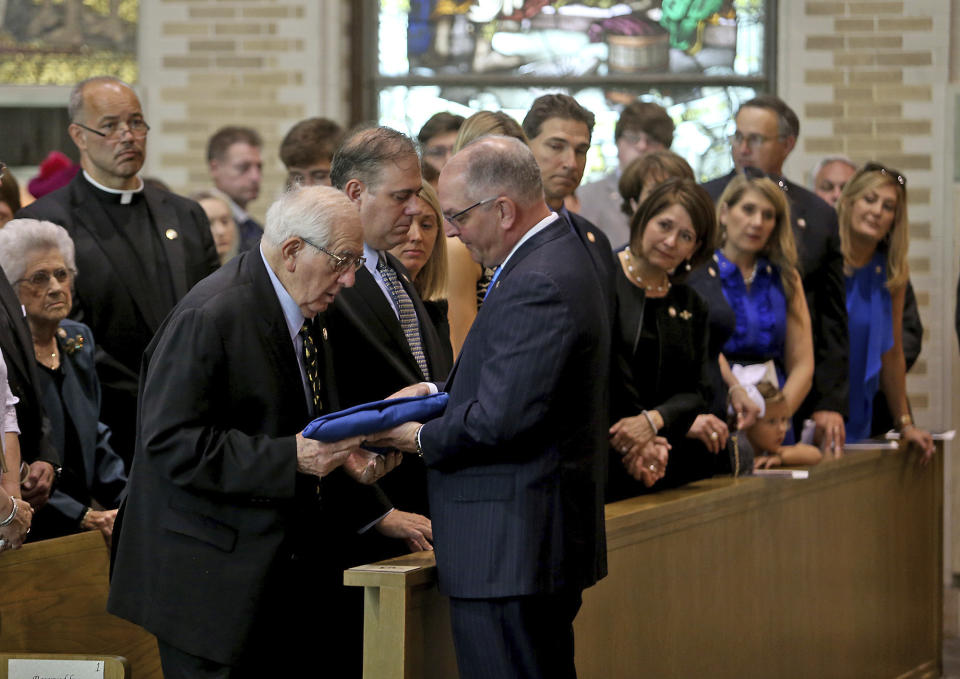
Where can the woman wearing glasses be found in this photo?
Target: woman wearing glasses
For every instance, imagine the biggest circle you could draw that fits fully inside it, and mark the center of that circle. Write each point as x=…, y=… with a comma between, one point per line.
x=39, y=258
x=874, y=236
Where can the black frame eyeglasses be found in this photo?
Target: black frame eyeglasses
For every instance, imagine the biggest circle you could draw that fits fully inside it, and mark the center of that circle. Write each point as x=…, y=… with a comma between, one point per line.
x=895, y=175
x=340, y=262
x=454, y=217
x=137, y=127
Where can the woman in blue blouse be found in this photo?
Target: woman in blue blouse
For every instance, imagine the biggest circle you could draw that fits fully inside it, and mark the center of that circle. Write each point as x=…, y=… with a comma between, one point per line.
x=754, y=276
x=872, y=211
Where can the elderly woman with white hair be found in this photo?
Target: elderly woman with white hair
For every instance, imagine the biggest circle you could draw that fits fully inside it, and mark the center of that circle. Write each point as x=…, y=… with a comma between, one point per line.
x=38, y=257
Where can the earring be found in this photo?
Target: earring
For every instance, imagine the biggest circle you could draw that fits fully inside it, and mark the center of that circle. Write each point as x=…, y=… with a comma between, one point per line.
x=687, y=265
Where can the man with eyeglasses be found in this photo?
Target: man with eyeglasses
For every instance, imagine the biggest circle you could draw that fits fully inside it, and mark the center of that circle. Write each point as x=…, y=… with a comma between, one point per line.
x=223, y=545
x=517, y=461
x=643, y=127
x=233, y=157
x=140, y=248
x=766, y=132
x=36, y=449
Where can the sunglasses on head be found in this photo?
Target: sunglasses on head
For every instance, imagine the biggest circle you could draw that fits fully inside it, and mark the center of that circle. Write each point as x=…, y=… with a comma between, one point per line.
x=888, y=171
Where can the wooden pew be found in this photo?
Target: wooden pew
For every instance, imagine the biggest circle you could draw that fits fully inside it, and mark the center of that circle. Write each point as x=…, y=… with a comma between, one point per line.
x=53, y=599
x=835, y=577
x=112, y=667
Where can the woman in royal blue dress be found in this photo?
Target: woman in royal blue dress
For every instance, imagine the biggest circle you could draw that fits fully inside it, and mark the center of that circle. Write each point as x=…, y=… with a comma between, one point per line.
x=872, y=212
x=755, y=296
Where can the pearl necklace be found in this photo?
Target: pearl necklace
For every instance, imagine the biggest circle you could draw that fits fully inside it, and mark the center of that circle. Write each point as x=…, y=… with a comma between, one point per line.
x=748, y=280
x=635, y=274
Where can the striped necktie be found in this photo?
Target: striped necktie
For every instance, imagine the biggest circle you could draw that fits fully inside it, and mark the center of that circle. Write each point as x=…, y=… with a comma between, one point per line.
x=311, y=365
x=406, y=312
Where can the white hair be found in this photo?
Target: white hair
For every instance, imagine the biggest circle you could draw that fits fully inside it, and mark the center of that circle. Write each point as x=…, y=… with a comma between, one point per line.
x=20, y=237
x=307, y=212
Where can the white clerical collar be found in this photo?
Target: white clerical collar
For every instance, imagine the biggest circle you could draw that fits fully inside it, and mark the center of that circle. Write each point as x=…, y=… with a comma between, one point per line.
x=126, y=195
x=534, y=230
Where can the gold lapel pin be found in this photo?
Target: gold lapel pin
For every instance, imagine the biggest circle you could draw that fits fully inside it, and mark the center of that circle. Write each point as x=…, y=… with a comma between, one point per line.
x=713, y=272
x=672, y=312
x=686, y=315
x=591, y=237
x=802, y=223
x=324, y=334
x=172, y=234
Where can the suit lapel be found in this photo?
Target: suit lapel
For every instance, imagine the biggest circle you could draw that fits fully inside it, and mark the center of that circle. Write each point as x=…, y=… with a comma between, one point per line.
x=166, y=224
x=92, y=218
x=19, y=333
x=273, y=329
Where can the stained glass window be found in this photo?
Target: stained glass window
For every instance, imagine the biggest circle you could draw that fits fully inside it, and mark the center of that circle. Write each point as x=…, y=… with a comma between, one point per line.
x=699, y=59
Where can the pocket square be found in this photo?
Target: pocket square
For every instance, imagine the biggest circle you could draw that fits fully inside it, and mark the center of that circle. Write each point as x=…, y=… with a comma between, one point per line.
x=369, y=418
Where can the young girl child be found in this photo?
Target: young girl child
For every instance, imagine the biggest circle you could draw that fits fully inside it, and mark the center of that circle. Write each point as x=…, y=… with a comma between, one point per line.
x=765, y=436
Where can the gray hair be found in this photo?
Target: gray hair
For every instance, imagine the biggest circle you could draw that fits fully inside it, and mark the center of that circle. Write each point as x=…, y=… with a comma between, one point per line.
x=75, y=107
x=364, y=152
x=823, y=162
x=20, y=237
x=306, y=212
x=504, y=165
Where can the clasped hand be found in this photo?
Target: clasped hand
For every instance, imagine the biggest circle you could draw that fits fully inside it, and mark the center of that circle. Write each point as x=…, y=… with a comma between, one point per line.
x=15, y=532
x=649, y=464
x=319, y=459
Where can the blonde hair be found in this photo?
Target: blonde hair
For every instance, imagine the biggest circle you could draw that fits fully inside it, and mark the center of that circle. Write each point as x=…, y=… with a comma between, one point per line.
x=897, y=241
x=431, y=281
x=780, y=247
x=483, y=123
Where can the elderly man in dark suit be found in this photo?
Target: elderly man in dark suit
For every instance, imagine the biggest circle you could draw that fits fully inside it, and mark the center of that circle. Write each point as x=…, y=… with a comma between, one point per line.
x=221, y=543
x=767, y=131
x=140, y=248
x=517, y=462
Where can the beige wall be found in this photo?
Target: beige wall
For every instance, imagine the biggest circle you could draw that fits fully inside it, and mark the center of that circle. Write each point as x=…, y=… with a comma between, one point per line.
x=262, y=63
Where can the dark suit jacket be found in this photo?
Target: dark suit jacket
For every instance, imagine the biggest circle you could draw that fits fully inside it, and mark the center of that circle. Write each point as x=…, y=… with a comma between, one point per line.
x=111, y=298
x=215, y=506
x=17, y=345
x=374, y=360
x=102, y=473
x=597, y=245
x=821, y=266
x=516, y=465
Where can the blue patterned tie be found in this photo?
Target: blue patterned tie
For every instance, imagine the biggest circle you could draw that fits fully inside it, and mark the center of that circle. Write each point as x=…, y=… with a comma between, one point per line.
x=407, y=313
x=311, y=365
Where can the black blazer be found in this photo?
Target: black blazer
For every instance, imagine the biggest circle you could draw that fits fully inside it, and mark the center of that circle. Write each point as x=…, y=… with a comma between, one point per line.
x=517, y=463
x=821, y=267
x=102, y=474
x=17, y=345
x=215, y=508
x=111, y=297
x=374, y=360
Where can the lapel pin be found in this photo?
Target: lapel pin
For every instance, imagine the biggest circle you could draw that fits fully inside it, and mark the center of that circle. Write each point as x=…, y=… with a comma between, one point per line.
x=879, y=269
x=672, y=312
x=172, y=234
x=686, y=315
x=591, y=237
x=324, y=334
x=802, y=223
x=713, y=272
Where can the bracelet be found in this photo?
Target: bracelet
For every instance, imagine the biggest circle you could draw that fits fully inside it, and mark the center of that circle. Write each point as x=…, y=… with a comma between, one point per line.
x=650, y=420
x=13, y=513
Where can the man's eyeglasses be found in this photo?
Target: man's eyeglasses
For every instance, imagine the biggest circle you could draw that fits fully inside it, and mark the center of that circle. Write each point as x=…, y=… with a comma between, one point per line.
x=41, y=278
x=754, y=141
x=112, y=130
x=339, y=261
x=454, y=218
x=895, y=175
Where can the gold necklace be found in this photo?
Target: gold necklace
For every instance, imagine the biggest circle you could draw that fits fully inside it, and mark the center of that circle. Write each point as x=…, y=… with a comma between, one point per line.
x=52, y=361
x=635, y=275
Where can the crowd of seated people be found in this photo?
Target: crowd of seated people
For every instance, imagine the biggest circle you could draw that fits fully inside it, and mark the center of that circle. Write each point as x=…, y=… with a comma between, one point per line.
x=705, y=295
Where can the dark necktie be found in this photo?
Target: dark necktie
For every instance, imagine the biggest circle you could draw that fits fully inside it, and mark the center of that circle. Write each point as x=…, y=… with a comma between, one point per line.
x=406, y=312
x=311, y=365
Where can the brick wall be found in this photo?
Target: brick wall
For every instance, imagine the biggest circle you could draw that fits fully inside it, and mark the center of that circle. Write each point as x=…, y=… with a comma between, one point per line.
x=261, y=63
x=867, y=80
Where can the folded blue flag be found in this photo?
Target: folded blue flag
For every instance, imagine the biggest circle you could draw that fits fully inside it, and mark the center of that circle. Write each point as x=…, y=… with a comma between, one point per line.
x=369, y=418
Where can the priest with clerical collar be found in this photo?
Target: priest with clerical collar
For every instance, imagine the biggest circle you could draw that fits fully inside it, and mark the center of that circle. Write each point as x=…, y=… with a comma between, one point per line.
x=140, y=248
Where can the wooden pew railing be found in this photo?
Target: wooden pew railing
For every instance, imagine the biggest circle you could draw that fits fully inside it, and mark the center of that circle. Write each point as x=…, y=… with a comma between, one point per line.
x=834, y=577
x=837, y=576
